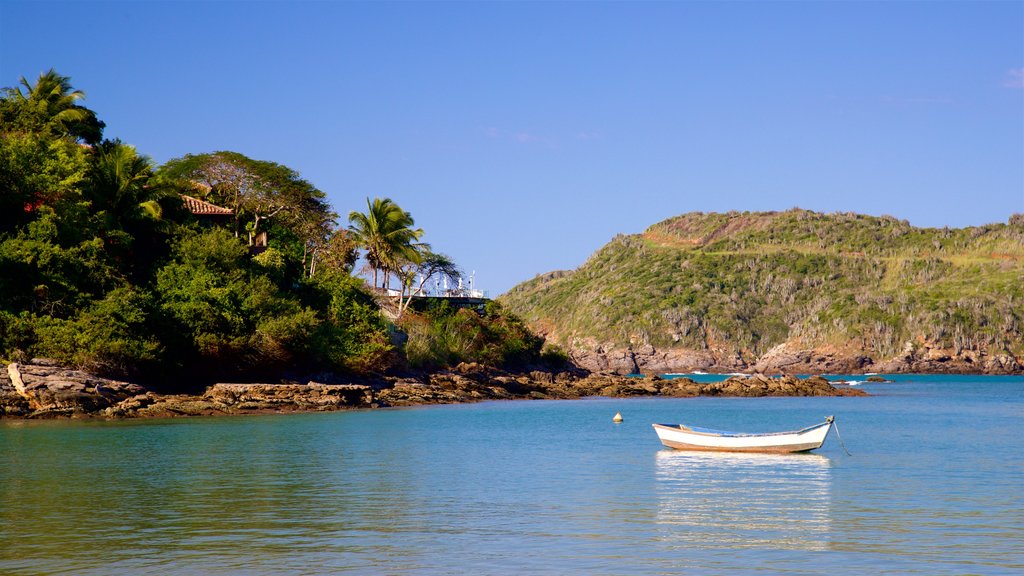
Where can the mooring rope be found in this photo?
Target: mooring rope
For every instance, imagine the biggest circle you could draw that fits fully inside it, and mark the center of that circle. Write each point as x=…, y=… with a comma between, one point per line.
x=840, y=436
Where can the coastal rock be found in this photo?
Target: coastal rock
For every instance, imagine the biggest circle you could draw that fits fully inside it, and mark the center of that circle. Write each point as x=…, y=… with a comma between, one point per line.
x=788, y=358
x=1003, y=364
x=47, y=389
x=234, y=398
x=648, y=359
x=12, y=403
x=37, y=391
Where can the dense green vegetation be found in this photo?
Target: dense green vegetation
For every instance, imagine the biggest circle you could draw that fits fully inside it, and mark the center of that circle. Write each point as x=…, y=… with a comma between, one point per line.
x=103, y=267
x=750, y=281
x=446, y=336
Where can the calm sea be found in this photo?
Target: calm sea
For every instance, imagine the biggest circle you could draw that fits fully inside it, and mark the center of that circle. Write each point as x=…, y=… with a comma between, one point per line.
x=934, y=486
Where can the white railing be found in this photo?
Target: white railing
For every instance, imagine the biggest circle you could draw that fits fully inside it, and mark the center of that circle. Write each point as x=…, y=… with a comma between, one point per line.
x=449, y=293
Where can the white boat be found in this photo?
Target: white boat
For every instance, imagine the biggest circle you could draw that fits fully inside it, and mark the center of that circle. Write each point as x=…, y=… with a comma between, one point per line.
x=682, y=437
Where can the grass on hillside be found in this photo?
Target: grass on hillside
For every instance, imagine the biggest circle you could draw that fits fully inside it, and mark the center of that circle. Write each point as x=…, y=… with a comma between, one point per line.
x=754, y=280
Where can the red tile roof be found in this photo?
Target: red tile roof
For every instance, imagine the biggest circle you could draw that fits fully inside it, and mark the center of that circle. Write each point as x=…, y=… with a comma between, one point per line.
x=202, y=208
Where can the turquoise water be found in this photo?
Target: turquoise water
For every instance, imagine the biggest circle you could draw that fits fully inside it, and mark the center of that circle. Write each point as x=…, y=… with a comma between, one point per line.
x=535, y=487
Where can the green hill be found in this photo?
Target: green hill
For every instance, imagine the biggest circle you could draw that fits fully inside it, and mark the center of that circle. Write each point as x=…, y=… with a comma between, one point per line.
x=790, y=291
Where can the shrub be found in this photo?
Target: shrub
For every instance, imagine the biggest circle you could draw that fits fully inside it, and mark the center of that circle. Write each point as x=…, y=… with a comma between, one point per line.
x=112, y=337
x=443, y=336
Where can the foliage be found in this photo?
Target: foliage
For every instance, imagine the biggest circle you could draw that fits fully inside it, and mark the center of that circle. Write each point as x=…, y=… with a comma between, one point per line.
x=414, y=275
x=238, y=320
x=17, y=335
x=120, y=187
x=385, y=232
x=235, y=319
x=47, y=269
x=36, y=171
x=554, y=357
x=444, y=336
x=353, y=335
x=113, y=336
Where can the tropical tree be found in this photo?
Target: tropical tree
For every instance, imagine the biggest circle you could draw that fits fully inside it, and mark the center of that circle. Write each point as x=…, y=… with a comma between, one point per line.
x=36, y=172
x=119, y=186
x=386, y=232
x=51, y=104
x=40, y=160
x=414, y=275
x=258, y=191
x=129, y=204
x=334, y=252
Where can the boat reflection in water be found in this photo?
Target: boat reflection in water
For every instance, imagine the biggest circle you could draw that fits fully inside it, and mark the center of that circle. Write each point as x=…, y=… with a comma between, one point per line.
x=734, y=500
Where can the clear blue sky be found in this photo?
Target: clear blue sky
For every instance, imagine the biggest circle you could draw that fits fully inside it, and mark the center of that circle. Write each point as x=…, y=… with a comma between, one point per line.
x=522, y=136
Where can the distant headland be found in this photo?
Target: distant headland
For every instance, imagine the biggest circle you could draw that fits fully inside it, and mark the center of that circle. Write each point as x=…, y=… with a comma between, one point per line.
x=793, y=292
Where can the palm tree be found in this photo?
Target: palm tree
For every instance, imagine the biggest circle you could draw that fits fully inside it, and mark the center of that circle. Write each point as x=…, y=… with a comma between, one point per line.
x=119, y=187
x=51, y=103
x=386, y=232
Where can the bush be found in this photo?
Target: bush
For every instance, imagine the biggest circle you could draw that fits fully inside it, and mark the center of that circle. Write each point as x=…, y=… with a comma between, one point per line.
x=554, y=357
x=17, y=335
x=353, y=336
x=443, y=336
x=112, y=337
x=222, y=312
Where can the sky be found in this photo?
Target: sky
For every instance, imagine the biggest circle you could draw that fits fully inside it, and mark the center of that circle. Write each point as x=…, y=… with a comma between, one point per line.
x=523, y=136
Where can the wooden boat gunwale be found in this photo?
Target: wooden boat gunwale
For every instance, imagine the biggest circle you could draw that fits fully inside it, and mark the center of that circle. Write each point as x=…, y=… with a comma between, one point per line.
x=682, y=437
x=725, y=433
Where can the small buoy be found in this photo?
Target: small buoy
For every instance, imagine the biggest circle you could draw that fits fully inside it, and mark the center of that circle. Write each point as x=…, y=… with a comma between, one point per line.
x=617, y=417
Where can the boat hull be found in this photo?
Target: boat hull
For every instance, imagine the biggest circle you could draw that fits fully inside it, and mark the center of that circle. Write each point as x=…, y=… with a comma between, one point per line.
x=683, y=438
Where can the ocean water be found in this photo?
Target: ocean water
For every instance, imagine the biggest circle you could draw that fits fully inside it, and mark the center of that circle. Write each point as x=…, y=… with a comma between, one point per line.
x=933, y=486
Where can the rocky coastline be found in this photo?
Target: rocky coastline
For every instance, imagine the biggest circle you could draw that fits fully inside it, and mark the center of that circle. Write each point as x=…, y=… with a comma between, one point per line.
x=42, y=389
x=920, y=358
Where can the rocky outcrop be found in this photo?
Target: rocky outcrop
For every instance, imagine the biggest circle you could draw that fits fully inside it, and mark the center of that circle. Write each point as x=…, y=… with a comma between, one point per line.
x=649, y=360
x=12, y=402
x=247, y=399
x=42, y=390
x=745, y=386
x=305, y=397
x=469, y=383
x=789, y=359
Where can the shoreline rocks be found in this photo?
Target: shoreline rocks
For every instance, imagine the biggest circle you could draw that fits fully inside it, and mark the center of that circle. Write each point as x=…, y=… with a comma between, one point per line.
x=44, y=389
x=39, y=389
x=922, y=358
